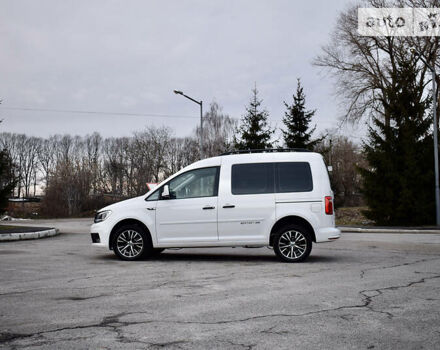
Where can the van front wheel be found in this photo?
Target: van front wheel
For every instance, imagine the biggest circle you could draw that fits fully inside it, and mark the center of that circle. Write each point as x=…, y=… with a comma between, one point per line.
x=131, y=243
x=292, y=243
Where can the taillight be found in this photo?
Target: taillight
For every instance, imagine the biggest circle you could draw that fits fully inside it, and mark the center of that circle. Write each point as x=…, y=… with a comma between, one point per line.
x=329, y=205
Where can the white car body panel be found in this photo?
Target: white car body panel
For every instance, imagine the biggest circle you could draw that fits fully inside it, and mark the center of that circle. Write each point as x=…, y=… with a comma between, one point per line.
x=186, y=221
x=249, y=220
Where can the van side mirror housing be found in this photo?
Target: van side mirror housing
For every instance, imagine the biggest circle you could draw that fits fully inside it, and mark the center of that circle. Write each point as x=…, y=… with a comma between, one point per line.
x=166, y=192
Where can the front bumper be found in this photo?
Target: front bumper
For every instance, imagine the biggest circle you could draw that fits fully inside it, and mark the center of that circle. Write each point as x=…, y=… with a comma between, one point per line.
x=100, y=235
x=95, y=237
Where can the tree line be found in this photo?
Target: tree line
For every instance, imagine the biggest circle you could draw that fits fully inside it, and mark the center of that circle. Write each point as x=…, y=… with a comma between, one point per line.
x=74, y=172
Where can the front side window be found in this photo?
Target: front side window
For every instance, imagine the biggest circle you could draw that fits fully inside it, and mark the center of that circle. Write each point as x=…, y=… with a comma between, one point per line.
x=253, y=178
x=154, y=196
x=195, y=183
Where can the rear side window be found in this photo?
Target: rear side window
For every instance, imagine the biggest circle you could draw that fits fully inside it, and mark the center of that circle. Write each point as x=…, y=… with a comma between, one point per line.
x=293, y=177
x=257, y=178
x=252, y=178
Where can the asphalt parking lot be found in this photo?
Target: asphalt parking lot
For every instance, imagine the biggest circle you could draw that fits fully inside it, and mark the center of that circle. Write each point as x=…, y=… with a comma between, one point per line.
x=365, y=291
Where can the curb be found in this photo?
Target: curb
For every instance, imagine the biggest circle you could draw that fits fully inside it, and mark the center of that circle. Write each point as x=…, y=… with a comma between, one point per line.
x=386, y=230
x=29, y=235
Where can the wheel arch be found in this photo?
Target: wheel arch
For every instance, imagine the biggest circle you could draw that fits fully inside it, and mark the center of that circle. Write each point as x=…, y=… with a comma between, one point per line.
x=127, y=222
x=290, y=220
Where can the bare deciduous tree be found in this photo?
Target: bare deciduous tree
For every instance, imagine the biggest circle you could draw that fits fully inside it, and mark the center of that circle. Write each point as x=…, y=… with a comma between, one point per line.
x=23, y=152
x=151, y=147
x=218, y=131
x=365, y=67
x=113, y=165
x=181, y=152
x=93, y=144
x=48, y=157
x=345, y=157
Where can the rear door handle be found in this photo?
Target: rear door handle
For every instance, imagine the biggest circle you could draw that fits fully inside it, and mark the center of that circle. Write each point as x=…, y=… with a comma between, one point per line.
x=228, y=206
x=208, y=207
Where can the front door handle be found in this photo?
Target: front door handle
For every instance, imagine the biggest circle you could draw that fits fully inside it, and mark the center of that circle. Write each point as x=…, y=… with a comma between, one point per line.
x=228, y=206
x=151, y=208
x=208, y=207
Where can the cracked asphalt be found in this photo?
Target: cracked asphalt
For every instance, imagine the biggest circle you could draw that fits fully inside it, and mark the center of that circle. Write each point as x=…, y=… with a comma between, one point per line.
x=365, y=291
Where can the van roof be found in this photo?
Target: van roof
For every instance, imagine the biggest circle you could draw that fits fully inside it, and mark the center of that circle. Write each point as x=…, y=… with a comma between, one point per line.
x=265, y=150
x=262, y=156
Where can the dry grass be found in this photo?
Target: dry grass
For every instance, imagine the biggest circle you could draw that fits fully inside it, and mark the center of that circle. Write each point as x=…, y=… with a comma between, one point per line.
x=352, y=216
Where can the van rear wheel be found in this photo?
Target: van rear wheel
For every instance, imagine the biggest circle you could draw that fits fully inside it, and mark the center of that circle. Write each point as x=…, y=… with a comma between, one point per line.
x=292, y=243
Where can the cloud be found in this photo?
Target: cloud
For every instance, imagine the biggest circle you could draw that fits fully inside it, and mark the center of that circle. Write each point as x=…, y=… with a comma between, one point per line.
x=128, y=56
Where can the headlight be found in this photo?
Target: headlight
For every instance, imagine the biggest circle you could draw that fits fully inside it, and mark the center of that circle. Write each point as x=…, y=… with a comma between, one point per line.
x=102, y=215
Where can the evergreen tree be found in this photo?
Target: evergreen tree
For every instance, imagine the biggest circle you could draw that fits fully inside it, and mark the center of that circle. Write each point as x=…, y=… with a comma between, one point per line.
x=297, y=120
x=7, y=179
x=398, y=183
x=254, y=131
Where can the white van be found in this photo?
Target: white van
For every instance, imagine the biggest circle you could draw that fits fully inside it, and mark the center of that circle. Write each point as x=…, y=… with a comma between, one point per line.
x=277, y=198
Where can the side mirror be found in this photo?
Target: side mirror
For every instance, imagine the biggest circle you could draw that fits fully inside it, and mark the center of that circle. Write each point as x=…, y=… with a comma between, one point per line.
x=166, y=192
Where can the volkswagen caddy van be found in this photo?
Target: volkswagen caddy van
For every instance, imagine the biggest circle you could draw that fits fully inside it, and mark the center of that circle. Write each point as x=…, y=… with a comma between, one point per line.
x=277, y=198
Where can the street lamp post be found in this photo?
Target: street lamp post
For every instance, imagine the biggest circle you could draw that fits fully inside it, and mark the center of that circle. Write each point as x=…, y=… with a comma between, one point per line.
x=434, y=113
x=200, y=103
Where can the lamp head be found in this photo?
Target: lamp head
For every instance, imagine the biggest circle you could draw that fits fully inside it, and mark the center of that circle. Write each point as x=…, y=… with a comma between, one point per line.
x=178, y=92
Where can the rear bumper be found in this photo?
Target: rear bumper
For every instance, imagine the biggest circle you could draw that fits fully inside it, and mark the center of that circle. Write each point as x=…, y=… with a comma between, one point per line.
x=327, y=234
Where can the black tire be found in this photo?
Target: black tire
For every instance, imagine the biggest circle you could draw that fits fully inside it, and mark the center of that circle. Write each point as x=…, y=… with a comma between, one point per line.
x=131, y=242
x=294, y=249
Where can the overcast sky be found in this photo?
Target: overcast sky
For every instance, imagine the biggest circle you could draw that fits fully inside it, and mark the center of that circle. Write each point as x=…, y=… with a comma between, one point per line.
x=128, y=56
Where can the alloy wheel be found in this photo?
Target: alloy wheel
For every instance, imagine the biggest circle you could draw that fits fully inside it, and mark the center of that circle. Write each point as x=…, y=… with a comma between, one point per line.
x=130, y=243
x=292, y=244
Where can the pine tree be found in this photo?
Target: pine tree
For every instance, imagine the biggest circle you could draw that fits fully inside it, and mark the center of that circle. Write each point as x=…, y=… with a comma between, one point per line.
x=7, y=179
x=398, y=183
x=254, y=131
x=297, y=120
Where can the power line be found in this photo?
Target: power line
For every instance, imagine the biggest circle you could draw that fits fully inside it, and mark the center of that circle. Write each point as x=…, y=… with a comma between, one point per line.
x=96, y=112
